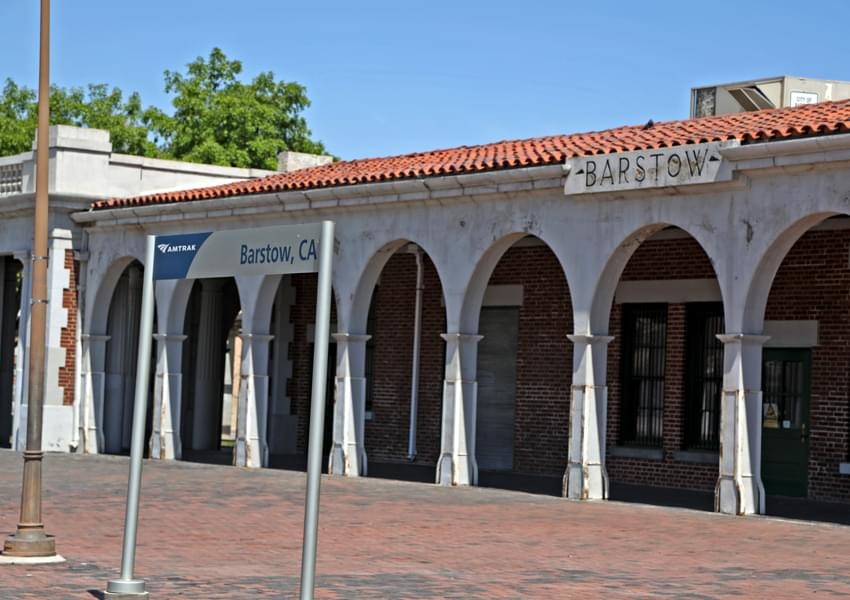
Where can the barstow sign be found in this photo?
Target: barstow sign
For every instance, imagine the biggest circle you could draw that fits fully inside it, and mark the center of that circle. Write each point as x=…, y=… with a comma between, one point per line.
x=646, y=169
x=260, y=251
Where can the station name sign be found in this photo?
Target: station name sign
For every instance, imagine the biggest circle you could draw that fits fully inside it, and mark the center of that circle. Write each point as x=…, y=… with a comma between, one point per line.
x=257, y=251
x=645, y=169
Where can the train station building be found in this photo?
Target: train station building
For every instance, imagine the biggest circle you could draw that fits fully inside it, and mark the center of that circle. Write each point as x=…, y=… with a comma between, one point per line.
x=666, y=304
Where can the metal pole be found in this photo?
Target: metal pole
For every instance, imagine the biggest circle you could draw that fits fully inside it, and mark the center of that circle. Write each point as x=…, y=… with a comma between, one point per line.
x=30, y=539
x=127, y=584
x=417, y=344
x=317, y=411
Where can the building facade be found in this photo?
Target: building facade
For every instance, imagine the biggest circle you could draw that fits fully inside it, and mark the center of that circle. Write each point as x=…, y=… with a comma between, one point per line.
x=663, y=304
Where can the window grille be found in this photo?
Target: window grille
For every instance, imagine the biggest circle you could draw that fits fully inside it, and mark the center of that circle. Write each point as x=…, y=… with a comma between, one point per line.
x=644, y=340
x=704, y=384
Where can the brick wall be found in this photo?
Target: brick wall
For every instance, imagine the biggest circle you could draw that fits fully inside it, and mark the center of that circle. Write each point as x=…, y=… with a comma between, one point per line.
x=67, y=374
x=394, y=298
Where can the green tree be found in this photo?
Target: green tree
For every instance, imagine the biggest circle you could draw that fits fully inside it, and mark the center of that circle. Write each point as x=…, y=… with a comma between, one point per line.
x=217, y=118
x=96, y=106
x=220, y=120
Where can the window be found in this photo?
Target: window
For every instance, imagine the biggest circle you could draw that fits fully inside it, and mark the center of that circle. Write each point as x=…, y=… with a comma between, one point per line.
x=644, y=343
x=704, y=384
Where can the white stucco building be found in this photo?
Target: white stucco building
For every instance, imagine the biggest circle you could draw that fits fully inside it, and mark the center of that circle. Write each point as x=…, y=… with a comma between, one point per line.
x=663, y=304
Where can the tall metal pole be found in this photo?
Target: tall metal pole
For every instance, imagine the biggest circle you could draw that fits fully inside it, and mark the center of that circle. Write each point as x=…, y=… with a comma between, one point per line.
x=317, y=411
x=30, y=539
x=127, y=585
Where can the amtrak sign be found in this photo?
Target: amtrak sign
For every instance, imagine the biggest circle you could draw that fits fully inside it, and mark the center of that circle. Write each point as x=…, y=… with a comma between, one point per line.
x=646, y=169
x=259, y=251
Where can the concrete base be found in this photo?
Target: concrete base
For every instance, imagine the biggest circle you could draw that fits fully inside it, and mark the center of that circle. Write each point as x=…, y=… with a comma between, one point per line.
x=124, y=595
x=30, y=560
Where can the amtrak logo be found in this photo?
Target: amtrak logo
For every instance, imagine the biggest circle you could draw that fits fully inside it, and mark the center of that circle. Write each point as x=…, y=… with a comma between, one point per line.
x=169, y=248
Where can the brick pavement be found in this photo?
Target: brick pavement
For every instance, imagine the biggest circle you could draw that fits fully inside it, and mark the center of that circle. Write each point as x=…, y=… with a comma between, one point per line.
x=222, y=532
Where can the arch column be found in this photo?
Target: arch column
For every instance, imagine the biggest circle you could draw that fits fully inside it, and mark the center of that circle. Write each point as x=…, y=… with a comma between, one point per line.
x=252, y=448
x=165, y=439
x=348, y=454
x=586, y=478
x=22, y=351
x=171, y=298
x=93, y=374
x=457, y=464
x=739, y=489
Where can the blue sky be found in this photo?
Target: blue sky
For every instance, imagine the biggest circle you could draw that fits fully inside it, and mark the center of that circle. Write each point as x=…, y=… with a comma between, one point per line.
x=393, y=77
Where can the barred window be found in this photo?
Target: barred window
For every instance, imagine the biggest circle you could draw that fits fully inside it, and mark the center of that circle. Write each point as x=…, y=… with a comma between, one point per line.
x=704, y=384
x=644, y=344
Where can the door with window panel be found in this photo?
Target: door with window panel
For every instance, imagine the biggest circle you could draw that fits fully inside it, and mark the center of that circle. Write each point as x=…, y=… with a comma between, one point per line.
x=786, y=384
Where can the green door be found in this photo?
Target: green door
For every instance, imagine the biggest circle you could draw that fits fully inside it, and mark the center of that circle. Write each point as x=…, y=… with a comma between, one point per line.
x=786, y=384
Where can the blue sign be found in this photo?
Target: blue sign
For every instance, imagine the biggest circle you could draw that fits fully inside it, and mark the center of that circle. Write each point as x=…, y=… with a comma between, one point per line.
x=258, y=251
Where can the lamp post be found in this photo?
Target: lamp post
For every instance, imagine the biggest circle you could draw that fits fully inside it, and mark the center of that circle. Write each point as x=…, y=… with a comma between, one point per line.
x=30, y=540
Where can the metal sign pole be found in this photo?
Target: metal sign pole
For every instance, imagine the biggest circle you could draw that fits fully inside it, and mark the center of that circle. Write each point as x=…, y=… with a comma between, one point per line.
x=317, y=411
x=127, y=585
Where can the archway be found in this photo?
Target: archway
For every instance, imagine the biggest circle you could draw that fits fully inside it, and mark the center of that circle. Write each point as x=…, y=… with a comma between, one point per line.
x=211, y=318
x=665, y=368
x=805, y=295
x=120, y=356
x=292, y=327
x=524, y=358
x=11, y=272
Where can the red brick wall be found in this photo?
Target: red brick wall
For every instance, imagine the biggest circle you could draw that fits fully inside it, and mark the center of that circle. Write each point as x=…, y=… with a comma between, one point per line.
x=67, y=374
x=814, y=283
x=544, y=359
x=299, y=386
x=394, y=298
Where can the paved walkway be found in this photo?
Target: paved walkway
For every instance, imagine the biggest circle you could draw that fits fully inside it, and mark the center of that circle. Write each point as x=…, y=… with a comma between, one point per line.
x=222, y=532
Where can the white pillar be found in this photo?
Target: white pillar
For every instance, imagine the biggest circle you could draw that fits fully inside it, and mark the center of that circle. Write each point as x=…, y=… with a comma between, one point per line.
x=252, y=448
x=348, y=454
x=93, y=390
x=208, y=373
x=457, y=464
x=739, y=489
x=22, y=351
x=586, y=478
x=165, y=439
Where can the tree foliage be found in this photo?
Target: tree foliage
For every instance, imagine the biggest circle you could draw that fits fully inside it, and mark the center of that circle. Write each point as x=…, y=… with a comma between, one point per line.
x=216, y=118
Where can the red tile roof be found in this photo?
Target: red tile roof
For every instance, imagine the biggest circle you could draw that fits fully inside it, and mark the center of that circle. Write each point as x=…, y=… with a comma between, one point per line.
x=765, y=125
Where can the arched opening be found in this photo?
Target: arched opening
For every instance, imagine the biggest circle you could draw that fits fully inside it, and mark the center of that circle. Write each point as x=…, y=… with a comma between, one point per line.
x=11, y=272
x=665, y=372
x=399, y=305
x=122, y=345
x=211, y=321
x=805, y=364
x=524, y=369
x=291, y=373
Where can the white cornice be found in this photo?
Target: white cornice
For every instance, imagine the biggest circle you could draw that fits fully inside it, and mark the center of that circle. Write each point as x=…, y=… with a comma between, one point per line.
x=352, y=197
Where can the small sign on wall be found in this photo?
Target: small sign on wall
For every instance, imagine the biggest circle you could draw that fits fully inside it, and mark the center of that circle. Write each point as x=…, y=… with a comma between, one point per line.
x=800, y=98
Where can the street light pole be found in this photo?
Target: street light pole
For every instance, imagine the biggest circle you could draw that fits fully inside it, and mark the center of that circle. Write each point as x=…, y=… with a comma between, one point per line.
x=30, y=540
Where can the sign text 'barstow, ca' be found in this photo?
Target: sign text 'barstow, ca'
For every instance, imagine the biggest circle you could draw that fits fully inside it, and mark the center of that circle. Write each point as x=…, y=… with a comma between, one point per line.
x=259, y=251
x=662, y=167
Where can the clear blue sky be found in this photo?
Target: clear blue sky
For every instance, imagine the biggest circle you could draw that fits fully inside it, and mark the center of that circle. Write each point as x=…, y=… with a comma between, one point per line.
x=393, y=77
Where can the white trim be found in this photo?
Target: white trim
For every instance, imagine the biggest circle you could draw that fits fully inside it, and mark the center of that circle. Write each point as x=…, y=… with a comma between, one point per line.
x=791, y=334
x=668, y=291
x=503, y=295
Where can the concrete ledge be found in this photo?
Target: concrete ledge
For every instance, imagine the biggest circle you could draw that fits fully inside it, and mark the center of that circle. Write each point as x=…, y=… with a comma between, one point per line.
x=30, y=560
x=636, y=452
x=703, y=457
